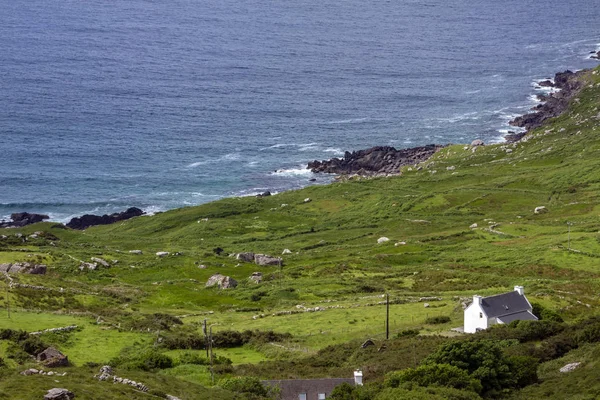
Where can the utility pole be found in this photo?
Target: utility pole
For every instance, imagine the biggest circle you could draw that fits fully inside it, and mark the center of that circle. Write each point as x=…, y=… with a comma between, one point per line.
x=387, y=316
x=7, y=299
x=205, y=336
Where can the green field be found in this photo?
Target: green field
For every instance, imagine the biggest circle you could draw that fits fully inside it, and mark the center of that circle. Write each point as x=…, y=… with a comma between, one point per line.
x=336, y=266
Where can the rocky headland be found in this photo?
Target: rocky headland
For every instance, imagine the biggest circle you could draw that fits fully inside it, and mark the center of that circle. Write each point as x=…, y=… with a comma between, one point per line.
x=88, y=220
x=568, y=85
x=376, y=161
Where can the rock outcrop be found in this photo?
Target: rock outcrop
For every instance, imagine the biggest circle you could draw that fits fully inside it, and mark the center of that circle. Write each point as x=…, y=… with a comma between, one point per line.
x=222, y=281
x=53, y=358
x=24, y=268
x=23, y=219
x=88, y=220
x=264, y=260
x=59, y=394
x=375, y=161
x=554, y=104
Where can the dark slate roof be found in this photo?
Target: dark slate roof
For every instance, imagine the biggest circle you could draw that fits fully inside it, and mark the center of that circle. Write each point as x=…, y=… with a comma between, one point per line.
x=291, y=388
x=503, y=304
x=521, y=316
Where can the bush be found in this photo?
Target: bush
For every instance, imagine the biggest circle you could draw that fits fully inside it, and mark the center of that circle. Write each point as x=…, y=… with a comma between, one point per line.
x=192, y=358
x=246, y=384
x=524, y=370
x=545, y=314
x=435, y=374
x=440, y=319
x=146, y=361
x=155, y=322
x=14, y=335
x=483, y=359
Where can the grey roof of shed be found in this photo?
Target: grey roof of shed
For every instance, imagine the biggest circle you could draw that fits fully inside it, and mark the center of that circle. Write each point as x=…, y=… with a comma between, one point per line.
x=291, y=388
x=504, y=304
x=521, y=316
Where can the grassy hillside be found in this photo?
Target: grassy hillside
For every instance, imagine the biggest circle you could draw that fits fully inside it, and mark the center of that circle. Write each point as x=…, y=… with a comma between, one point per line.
x=336, y=264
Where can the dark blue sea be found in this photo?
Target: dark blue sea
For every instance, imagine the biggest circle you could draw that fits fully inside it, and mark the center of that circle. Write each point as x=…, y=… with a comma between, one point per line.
x=159, y=104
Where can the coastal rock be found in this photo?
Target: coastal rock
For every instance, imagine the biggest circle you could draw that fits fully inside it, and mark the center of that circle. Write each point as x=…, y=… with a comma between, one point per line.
x=88, y=220
x=374, y=161
x=264, y=194
x=546, y=83
x=162, y=253
x=53, y=358
x=473, y=226
x=23, y=219
x=477, y=142
x=223, y=282
x=245, y=257
x=555, y=103
x=383, y=239
x=265, y=260
x=59, y=394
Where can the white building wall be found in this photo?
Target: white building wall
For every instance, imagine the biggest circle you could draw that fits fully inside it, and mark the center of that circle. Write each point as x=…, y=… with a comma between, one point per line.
x=475, y=318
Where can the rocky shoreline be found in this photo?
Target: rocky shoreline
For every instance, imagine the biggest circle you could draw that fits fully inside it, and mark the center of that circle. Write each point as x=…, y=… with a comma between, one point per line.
x=568, y=85
x=386, y=160
x=85, y=221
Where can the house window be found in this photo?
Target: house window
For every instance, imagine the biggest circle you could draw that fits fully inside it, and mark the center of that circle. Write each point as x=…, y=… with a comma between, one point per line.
x=302, y=396
x=480, y=315
x=321, y=396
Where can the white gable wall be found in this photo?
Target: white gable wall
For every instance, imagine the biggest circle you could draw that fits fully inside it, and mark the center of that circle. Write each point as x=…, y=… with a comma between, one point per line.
x=475, y=317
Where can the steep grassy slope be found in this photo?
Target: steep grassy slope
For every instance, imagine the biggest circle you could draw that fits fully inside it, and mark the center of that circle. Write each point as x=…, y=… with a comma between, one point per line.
x=335, y=261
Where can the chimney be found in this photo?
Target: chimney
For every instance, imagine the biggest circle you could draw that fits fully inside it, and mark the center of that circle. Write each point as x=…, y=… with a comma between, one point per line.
x=520, y=290
x=477, y=299
x=358, y=375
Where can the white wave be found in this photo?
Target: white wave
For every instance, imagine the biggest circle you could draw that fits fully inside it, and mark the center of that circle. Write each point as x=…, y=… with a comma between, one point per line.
x=225, y=157
x=308, y=146
x=350, y=121
x=471, y=116
x=333, y=150
x=301, y=171
x=473, y=91
x=151, y=210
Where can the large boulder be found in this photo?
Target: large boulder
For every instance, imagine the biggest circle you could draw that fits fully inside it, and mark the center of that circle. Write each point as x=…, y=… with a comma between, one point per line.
x=59, y=394
x=100, y=261
x=222, y=281
x=24, y=268
x=23, y=219
x=265, y=260
x=477, y=142
x=53, y=358
x=245, y=257
x=88, y=220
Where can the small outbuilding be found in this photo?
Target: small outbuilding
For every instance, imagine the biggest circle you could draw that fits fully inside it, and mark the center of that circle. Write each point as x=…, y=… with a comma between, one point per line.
x=311, y=389
x=499, y=309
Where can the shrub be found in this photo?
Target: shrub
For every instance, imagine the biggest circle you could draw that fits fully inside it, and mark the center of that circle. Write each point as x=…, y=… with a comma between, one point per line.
x=14, y=335
x=192, y=358
x=246, y=384
x=435, y=374
x=545, y=314
x=440, y=319
x=146, y=360
x=524, y=370
x=483, y=359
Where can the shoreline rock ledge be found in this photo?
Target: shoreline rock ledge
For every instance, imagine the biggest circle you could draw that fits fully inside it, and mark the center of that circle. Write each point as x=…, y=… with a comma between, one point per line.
x=379, y=160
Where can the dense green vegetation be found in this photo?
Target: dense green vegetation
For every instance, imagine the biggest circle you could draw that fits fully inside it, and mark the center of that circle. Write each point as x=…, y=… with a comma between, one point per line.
x=144, y=315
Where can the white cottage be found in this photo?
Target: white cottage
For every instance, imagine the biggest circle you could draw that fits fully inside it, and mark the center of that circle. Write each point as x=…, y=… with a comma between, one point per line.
x=499, y=309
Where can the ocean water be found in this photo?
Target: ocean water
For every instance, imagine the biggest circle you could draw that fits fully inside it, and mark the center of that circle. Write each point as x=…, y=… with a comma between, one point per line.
x=162, y=104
